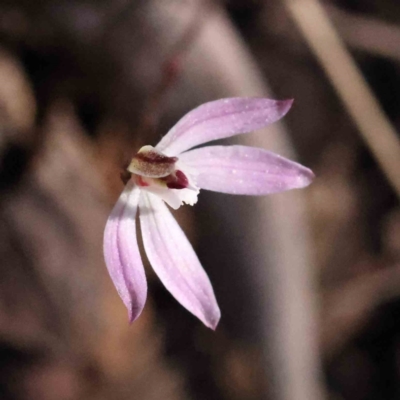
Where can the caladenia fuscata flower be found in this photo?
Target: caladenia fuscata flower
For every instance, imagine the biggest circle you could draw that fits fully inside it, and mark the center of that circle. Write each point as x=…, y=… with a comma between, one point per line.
x=172, y=173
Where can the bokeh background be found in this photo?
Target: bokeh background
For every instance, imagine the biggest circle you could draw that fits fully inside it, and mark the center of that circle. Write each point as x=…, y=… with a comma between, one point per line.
x=308, y=281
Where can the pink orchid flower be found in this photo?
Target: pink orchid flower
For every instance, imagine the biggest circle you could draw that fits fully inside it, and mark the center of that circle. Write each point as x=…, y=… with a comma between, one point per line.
x=172, y=173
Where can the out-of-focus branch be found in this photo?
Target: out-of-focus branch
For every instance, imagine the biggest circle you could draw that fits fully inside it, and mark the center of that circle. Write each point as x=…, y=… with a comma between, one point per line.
x=173, y=63
x=368, y=34
x=376, y=130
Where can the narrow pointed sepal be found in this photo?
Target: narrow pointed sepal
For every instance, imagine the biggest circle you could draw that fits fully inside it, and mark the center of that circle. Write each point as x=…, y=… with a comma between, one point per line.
x=175, y=262
x=121, y=252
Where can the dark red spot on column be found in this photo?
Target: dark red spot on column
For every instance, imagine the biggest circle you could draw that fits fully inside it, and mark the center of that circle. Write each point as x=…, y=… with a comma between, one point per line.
x=177, y=180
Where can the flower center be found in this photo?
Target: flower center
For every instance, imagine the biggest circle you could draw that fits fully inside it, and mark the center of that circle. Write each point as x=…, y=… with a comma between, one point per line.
x=149, y=166
x=163, y=176
x=151, y=163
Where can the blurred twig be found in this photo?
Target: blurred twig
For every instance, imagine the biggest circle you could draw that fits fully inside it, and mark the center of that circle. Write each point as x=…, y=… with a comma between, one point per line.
x=172, y=65
x=376, y=130
x=368, y=34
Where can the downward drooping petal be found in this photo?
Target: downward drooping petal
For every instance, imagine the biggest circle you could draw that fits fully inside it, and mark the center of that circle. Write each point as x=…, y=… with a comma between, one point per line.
x=220, y=119
x=175, y=262
x=121, y=252
x=244, y=170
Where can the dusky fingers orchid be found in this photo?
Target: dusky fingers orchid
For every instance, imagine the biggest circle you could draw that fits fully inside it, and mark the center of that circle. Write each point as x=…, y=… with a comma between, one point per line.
x=172, y=173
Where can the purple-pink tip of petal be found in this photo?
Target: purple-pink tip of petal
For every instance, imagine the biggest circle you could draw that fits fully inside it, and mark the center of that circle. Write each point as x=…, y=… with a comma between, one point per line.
x=306, y=178
x=285, y=106
x=214, y=323
x=133, y=314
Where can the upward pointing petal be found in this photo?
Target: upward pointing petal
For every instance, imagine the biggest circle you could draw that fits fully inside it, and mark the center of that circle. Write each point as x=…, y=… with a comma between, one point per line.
x=175, y=262
x=121, y=252
x=220, y=119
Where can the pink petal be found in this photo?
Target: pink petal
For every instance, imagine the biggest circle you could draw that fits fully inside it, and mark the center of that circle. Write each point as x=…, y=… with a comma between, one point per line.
x=121, y=252
x=175, y=262
x=220, y=119
x=244, y=170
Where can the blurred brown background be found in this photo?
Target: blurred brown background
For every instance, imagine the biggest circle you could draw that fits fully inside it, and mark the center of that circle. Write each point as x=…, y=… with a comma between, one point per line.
x=308, y=282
